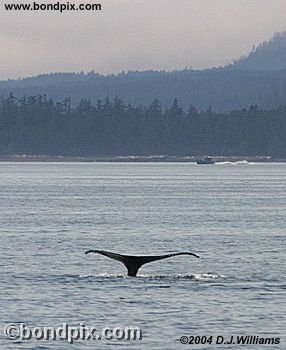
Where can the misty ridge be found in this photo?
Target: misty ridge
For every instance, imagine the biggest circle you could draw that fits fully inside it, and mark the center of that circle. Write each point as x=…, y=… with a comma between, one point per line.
x=237, y=110
x=259, y=78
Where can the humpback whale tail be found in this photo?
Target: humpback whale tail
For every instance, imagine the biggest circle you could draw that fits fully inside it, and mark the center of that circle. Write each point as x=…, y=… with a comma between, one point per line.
x=133, y=262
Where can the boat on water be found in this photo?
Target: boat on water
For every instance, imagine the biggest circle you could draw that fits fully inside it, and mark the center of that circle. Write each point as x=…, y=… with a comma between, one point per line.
x=206, y=160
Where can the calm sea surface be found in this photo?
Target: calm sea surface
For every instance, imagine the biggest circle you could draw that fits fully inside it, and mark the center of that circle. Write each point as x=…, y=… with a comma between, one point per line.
x=233, y=216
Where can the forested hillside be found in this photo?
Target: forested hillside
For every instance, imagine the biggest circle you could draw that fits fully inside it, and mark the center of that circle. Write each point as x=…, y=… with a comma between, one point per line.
x=259, y=78
x=270, y=55
x=38, y=125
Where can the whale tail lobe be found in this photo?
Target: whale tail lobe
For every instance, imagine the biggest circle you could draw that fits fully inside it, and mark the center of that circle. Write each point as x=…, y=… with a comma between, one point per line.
x=133, y=262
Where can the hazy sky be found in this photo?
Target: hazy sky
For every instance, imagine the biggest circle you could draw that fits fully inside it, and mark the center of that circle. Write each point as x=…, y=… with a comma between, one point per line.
x=134, y=35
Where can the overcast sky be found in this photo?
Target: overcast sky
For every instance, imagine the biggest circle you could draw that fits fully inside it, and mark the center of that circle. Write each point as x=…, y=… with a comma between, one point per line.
x=135, y=35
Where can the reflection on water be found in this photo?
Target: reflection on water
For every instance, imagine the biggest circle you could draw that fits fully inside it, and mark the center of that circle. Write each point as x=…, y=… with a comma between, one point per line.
x=197, y=277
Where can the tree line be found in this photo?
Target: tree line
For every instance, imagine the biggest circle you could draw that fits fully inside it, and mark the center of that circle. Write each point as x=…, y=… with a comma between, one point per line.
x=224, y=89
x=38, y=125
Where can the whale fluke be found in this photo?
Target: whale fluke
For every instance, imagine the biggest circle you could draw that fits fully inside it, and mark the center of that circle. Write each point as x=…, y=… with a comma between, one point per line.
x=133, y=262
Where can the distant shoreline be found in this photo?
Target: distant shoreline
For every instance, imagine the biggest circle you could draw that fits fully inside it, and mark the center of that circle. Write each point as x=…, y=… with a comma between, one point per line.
x=151, y=158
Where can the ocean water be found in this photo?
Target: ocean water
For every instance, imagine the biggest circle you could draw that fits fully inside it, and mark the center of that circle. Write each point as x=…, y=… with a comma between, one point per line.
x=232, y=215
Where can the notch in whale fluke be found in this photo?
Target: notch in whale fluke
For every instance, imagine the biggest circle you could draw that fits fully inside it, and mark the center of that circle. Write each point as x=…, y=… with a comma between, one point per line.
x=133, y=262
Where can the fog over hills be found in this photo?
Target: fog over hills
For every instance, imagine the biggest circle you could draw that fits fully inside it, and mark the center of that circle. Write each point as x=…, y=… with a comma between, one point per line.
x=237, y=110
x=268, y=55
x=259, y=78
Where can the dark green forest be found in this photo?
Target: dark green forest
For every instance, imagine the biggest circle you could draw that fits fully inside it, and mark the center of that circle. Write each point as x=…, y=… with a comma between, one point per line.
x=38, y=125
